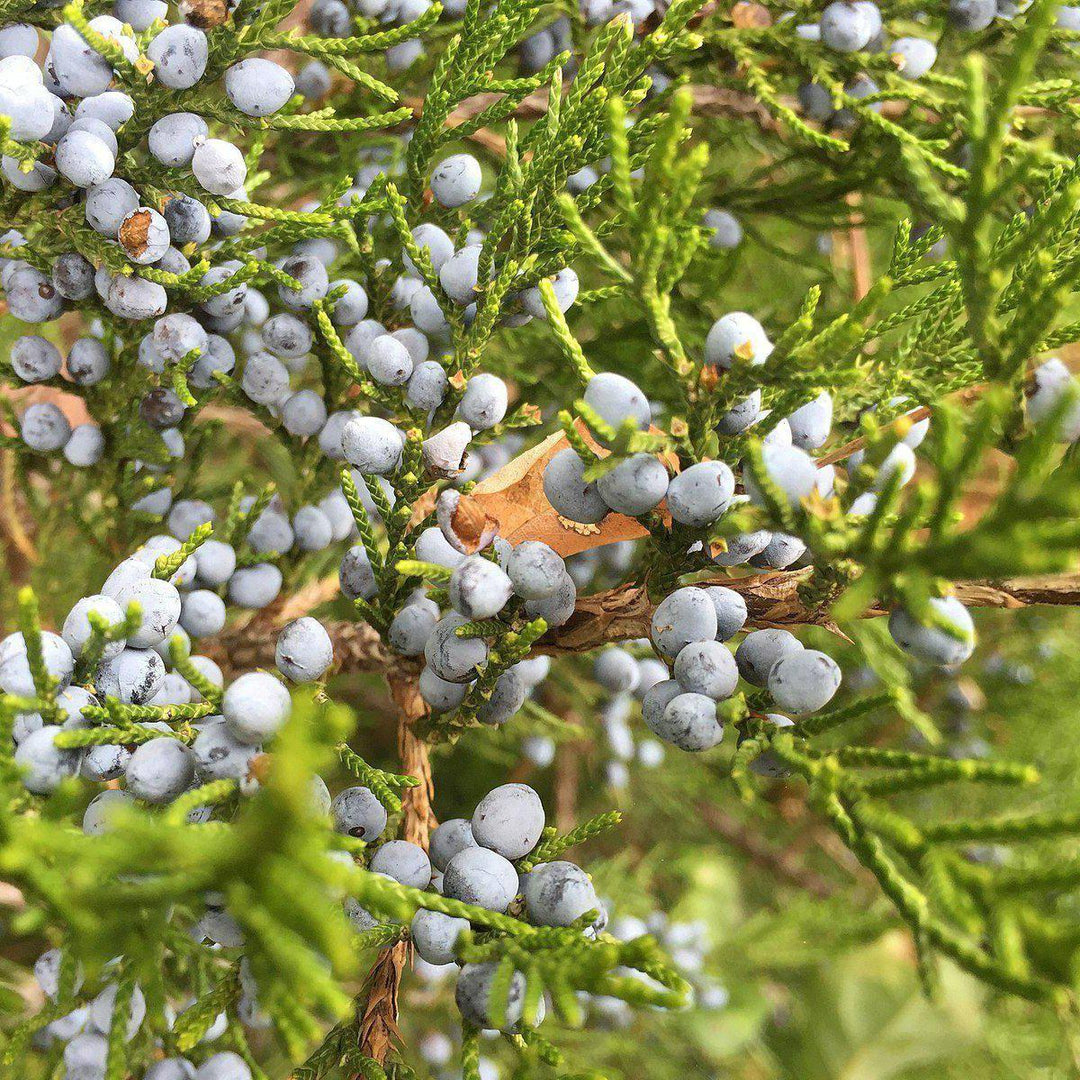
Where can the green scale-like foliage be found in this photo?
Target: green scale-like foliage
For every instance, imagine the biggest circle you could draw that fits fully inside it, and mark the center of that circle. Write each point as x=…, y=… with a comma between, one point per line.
x=693, y=108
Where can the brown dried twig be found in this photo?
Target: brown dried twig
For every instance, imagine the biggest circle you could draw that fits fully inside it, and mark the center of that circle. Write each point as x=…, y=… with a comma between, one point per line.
x=624, y=614
x=378, y=1019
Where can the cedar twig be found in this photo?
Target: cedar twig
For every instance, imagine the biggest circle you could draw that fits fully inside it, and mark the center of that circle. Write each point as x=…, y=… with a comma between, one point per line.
x=624, y=613
x=378, y=1019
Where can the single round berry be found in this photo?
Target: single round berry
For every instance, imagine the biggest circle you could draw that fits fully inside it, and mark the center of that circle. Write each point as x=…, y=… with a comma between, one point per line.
x=456, y=180
x=509, y=820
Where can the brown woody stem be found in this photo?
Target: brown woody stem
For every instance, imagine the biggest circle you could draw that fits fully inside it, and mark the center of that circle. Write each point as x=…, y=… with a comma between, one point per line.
x=378, y=1028
x=624, y=613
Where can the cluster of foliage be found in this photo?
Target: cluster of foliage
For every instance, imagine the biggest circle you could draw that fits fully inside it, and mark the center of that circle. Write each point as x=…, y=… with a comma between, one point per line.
x=433, y=344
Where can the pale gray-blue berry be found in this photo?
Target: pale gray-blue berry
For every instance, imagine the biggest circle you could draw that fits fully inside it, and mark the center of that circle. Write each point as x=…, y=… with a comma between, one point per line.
x=439, y=694
x=304, y=651
x=258, y=87
x=256, y=706
x=219, y=166
x=507, y=697
x=760, y=650
x=479, y=589
x=805, y=681
x=558, y=894
x=810, y=423
x=484, y=403
x=701, y=493
x=456, y=180
x=737, y=337
x=635, y=486
x=218, y=756
x=173, y=138
x=44, y=427
x=372, y=445
x=478, y=875
x=616, y=670
x=731, y=611
x=569, y=493
x=357, y=812
x=448, y=839
x=846, y=27
x=725, y=232
x=42, y=764
x=684, y=616
x=355, y=575
x=689, y=722
x=934, y=644
x=509, y=820
x=405, y=862
x=179, y=54
x=87, y=362
x=160, y=770
x=454, y=658
x=791, y=471
x=617, y=400
x=707, y=667
x=913, y=56
x=202, y=613
x=434, y=935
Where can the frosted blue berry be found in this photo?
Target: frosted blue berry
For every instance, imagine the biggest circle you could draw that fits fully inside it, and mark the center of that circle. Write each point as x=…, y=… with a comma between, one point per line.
x=565, y=286
x=258, y=87
x=707, y=667
x=108, y=204
x=689, y=722
x=804, y=681
x=219, y=166
x=456, y=180
x=434, y=935
x=405, y=862
x=160, y=771
x=34, y=358
x=179, y=54
x=509, y=820
x=762, y=649
x=357, y=812
x=484, y=403
x=913, y=56
x=173, y=138
x=255, y=707
x=43, y=765
x=43, y=427
x=725, y=232
x=569, y=493
x=684, y=616
x=617, y=400
x=478, y=875
x=846, y=27
x=558, y=894
x=935, y=644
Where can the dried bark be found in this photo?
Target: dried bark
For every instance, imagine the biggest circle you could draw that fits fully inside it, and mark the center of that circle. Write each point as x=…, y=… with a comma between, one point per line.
x=772, y=600
x=418, y=817
x=379, y=1032
x=624, y=613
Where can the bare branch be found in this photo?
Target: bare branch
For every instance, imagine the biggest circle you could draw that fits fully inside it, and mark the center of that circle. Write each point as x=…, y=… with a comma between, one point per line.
x=378, y=1018
x=623, y=614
